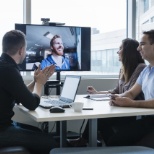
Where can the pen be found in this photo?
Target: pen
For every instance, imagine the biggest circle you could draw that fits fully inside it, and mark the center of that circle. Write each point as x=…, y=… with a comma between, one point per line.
x=87, y=108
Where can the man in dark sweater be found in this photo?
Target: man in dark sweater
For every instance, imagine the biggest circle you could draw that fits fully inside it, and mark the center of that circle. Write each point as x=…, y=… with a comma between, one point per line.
x=13, y=90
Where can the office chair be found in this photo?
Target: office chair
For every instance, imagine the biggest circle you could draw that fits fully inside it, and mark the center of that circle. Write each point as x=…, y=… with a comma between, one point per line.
x=14, y=150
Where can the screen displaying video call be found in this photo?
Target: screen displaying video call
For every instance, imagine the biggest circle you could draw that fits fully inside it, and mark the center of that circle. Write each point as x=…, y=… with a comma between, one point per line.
x=66, y=47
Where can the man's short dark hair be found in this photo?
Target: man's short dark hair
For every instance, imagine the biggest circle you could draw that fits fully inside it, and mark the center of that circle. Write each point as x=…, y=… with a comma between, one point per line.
x=150, y=34
x=12, y=41
x=55, y=36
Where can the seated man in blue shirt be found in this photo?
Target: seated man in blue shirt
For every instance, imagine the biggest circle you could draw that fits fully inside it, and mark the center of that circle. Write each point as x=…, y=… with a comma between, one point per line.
x=57, y=57
x=145, y=83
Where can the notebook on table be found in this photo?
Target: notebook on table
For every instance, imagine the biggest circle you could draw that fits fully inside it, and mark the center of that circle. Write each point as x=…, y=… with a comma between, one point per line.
x=68, y=93
x=100, y=97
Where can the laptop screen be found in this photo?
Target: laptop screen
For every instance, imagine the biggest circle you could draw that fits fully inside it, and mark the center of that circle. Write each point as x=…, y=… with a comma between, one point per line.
x=70, y=87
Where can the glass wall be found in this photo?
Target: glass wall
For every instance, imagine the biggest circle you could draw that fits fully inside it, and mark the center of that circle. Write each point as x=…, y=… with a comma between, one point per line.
x=107, y=19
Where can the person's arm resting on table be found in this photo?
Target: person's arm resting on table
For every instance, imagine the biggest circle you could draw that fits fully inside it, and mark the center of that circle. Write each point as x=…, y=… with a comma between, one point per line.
x=126, y=99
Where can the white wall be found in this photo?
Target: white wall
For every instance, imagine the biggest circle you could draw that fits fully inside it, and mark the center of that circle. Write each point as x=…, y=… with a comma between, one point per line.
x=99, y=84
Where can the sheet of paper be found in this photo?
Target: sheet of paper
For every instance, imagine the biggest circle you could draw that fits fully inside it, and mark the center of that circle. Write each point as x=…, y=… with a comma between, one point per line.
x=99, y=97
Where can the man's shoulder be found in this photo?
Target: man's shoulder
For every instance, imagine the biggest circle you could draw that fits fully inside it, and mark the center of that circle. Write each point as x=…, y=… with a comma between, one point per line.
x=66, y=59
x=144, y=71
x=48, y=59
x=141, y=66
x=5, y=64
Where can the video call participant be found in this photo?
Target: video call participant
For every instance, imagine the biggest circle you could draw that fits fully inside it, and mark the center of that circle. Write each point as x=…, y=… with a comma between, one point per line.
x=57, y=56
x=132, y=65
x=13, y=90
x=143, y=128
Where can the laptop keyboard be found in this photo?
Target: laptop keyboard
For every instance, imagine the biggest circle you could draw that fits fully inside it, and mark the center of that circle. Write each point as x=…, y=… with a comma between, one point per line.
x=47, y=102
x=57, y=102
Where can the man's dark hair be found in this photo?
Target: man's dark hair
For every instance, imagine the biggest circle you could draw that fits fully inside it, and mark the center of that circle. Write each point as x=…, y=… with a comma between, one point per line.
x=150, y=34
x=12, y=41
x=55, y=36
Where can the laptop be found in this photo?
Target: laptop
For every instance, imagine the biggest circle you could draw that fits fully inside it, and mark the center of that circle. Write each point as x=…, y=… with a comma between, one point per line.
x=67, y=96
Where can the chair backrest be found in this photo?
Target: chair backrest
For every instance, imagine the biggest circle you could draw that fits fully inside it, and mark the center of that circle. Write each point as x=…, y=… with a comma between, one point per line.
x=14, y=150
x=104, y=150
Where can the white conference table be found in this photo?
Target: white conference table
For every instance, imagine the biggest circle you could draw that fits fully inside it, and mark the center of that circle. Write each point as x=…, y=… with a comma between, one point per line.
x=101, y=109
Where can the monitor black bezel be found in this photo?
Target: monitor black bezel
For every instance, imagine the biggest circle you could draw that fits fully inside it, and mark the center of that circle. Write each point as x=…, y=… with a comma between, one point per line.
x=85, y=46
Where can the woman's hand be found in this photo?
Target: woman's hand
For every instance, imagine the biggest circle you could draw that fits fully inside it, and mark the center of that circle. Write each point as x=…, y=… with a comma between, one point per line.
x=91, y=90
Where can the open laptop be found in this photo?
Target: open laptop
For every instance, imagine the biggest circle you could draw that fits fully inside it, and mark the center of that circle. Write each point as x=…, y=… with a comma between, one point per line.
x=67, y=95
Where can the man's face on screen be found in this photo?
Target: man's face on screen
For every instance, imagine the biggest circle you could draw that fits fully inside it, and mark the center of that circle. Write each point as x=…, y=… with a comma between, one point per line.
x=58, y=47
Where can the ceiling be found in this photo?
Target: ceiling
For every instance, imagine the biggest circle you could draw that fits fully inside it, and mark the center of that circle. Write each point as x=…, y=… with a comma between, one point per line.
x=36, y=39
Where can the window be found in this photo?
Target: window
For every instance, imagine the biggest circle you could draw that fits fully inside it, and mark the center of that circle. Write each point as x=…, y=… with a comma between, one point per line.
x=152, y=19
x=107, y=20
x=146, y=5
x=144, y=20
x=11, y=13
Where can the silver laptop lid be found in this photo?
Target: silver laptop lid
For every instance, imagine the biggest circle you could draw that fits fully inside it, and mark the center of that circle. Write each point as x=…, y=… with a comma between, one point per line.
x=70, y=88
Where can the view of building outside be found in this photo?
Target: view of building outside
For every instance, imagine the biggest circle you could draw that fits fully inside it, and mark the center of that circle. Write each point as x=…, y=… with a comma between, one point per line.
x=145, y=16
x=104, y=47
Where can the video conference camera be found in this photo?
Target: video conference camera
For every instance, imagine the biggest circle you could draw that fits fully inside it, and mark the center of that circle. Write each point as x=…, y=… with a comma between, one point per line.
x=45, y=21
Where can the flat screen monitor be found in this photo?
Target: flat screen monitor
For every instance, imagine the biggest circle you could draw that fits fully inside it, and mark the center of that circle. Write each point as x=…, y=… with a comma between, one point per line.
x=74, y=46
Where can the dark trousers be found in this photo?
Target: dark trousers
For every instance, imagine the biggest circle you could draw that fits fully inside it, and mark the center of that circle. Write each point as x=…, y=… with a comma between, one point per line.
x=27, y=136
x=123, y=131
